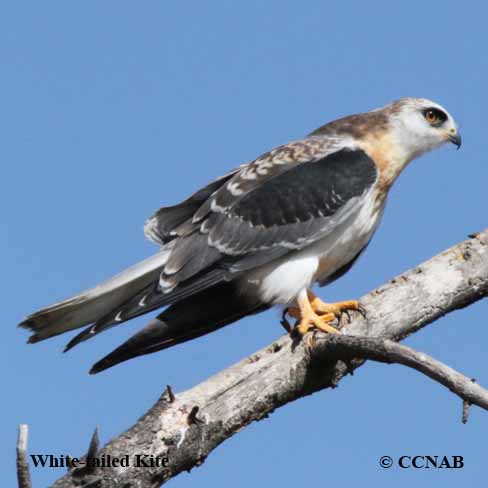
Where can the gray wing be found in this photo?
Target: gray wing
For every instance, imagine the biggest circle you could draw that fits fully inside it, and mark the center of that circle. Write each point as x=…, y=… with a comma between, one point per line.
x=284, y=201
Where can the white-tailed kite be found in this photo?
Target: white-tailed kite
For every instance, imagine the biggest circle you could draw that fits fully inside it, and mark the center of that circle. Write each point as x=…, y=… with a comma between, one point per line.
x=259, y=236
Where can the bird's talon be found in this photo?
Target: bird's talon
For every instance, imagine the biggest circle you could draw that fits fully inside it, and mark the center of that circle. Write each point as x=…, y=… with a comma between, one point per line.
x=361, y=310
x=284, y=322
x=314, y=321
x=314, y=313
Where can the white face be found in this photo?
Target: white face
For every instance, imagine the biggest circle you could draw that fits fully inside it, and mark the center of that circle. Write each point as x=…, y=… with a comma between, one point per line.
x=421, y=125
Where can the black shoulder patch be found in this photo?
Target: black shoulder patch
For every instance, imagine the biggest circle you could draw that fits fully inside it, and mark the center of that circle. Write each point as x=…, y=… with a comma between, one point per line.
x=309, y=190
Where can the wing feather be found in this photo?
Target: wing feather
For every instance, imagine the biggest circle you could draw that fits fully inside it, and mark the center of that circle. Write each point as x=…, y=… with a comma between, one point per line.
x=160, y=226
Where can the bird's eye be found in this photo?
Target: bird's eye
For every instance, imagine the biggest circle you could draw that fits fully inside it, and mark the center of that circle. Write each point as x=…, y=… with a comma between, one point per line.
x=435, y=116
x=431, y=117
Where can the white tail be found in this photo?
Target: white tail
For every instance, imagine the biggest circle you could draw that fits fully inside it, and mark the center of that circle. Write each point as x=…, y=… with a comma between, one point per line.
x=92, y=304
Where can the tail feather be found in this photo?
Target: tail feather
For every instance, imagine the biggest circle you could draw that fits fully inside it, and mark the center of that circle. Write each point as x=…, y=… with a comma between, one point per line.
x=90, y=305
x=187, y=319
x=146, y=300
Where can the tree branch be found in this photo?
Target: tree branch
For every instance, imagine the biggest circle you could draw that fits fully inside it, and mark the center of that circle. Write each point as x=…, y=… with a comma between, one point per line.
x=388, y=351
x=185, y=427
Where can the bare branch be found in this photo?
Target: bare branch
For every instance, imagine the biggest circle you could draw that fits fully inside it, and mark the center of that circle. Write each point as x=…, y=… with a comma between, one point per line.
x=287, y=370
x=94, y=443
x=23, y=473
x=387, y=351
x=169, y=392
x=92, y=451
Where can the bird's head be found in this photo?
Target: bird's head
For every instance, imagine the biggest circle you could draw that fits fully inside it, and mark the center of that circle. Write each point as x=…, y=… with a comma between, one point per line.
x=395, y=134
x=418, y=125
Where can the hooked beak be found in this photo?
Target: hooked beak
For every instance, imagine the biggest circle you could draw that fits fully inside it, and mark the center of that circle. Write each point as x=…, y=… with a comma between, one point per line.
x=456, y=139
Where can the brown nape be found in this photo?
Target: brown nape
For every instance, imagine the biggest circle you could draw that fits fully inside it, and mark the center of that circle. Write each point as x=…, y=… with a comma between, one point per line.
x=359, y=125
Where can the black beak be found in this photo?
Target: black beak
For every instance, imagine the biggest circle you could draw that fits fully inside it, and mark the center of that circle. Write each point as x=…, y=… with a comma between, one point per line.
x=456, y=139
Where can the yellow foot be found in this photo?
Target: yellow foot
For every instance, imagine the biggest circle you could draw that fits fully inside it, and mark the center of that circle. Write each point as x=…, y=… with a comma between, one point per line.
x=312, y=312
x=336, y=309
x=310, y=320
x=321, y=308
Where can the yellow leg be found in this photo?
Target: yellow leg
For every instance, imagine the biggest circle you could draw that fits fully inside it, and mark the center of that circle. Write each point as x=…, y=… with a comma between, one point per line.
x=321, y=307
x=313, y=312
x=309, y=318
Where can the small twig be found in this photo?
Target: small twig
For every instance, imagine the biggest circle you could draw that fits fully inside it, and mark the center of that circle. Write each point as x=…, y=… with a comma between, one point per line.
x=94, y=443
x=466, y=405
x=90, y=465
x=92, y=450
x=23, y=473
x=388, y=351
x=192, y=416
x=169, y=392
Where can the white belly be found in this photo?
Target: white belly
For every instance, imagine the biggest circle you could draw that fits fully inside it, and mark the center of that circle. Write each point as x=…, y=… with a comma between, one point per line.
x=280, y=281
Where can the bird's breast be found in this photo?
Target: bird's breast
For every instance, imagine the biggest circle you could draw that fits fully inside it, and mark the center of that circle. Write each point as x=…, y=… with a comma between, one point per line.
x=344, y=244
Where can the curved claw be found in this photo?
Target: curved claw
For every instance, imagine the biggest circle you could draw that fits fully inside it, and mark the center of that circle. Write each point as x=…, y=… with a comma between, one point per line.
x=362, y=310
x=284, y=321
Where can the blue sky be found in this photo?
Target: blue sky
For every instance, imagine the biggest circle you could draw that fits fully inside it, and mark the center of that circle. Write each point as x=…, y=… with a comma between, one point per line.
x=112, y=109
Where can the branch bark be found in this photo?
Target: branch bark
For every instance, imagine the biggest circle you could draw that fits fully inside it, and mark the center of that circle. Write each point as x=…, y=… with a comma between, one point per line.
x=185, y=427
x=23, y=473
